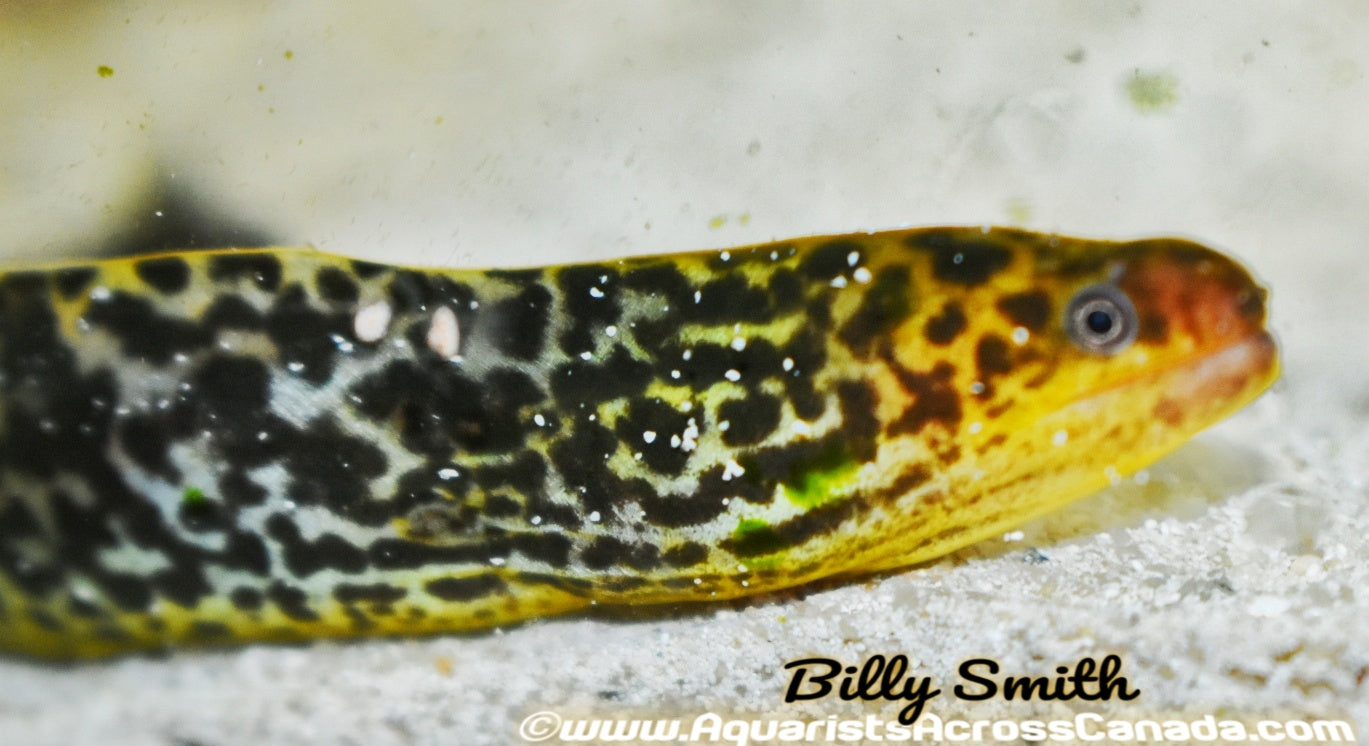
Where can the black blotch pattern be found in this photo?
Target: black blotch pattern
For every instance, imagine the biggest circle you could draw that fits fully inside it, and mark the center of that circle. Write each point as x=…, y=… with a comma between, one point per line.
x=553, y=549
x=373, y=593
x=73, y=281
x=886, y=304
x=442, y=410
x=582, y=462
x=786, y=290
x=201, y=515
x=263, y=270
x=993, y=359
x=231, y=311
x=167, y=274
x=729, y=299
x=182, y=583
x=795, y=531
x=246, y=599
x=247, y=552
x=1031, y=309
x=654, y=415
x=328, y=466
x=519, y=324
x=591, y=300
x=144, y=439
x=934, y=399
x=859, y=422
x=366, y=270
x=608, y=551
x=683, y=555
x=589, y=382
x=830, y=259
x=304, y=335
x=465, y=589
x=336, y=287
x=943, y=328
x=961, y=261
x=145, y=333
x=304, y=558
x=291, y=601
x=661, y=281
x=402, y=554
x=750, y=420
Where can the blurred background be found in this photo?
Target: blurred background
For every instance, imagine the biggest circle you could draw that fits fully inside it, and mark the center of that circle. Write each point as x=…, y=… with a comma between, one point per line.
x=517, y=133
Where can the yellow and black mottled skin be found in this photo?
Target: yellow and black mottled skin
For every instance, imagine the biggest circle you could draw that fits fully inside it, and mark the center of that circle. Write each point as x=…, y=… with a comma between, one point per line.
x=229, y=446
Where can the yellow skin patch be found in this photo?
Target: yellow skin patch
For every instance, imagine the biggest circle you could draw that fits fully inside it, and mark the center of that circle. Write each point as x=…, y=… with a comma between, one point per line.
x=232, y=446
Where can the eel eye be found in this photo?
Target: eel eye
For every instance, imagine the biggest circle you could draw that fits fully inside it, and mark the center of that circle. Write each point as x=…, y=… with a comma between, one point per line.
x=1101, y=318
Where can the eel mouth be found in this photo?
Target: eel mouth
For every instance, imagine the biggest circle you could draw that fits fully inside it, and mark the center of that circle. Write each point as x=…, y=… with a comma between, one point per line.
x=1210, y=386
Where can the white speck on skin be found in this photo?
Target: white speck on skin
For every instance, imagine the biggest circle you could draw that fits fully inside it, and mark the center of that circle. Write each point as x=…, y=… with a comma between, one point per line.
x=732, y=470
x=539, y=419
x=371, y=322
x=733, y=375
x=444, y=335
x=1020, y=335
x=448, y=474
x=497, y=561
x=687, y=406
x=738, y=344
x=587, y=355
x=725, y=256
x=801, y=427
x=724, y=426
x=535, y=520
x=675, y=441
x=774, y=255
x=862, y=275
x=853, y=258
x=294, y=366
x=698, y=296
x=675, y=374
x=975, y=427
x=839, y=281
x=686, y=355
x=1060, y=438
x=1014, y=536
x=1142, y=477
x=787, y=364
x=596, y=293
x=977, y=388
x=649, y=436
x=594, y=516
x=611, y=331
x=690, y=437
x=100, y=294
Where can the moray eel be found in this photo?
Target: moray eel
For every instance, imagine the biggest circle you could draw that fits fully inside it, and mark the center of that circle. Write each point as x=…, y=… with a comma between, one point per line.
x=233, y=446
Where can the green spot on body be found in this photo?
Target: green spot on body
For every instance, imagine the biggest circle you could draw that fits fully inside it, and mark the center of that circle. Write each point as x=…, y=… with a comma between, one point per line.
x=717, y=222
x=754, y=538
x=1152, y=92
x=194, y=497
x=104, y=71
x=821, y=480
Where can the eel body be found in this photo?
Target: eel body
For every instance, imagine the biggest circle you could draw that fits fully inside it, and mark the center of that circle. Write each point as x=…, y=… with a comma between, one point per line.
x=232, y=446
